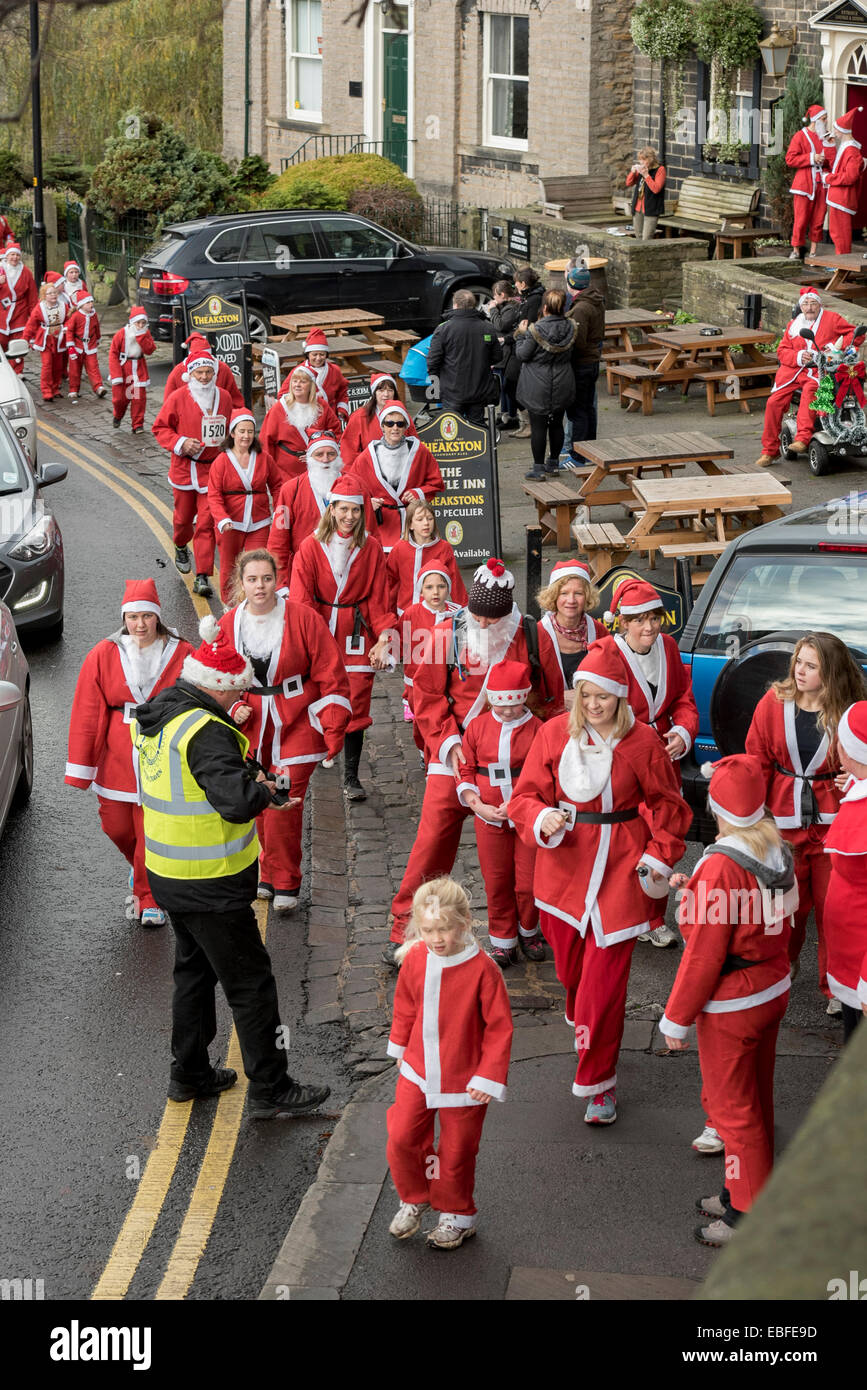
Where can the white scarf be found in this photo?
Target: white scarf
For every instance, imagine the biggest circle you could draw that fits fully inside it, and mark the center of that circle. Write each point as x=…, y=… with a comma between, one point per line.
x=648, y=663
x=392, y=461
x=144, y=662
x=205, y=396
x=585, y=765
x=486, y=646
x=301, y=415
x=261, y=633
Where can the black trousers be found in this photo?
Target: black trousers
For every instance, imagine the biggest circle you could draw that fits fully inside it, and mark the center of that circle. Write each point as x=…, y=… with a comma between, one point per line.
x=851, y=1019
x=473, y=411
x=225, y=947
x=546, y=429
x=582, y=411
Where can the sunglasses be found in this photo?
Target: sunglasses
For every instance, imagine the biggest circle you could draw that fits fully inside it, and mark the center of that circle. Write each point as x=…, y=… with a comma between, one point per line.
x=394, y=424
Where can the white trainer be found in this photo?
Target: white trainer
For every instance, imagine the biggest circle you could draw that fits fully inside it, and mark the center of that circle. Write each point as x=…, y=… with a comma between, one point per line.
x=447, y=1234
x=708, y=1142
x=662, y=936
x=408, y=1219
x=284, y=902
x=834, y=1009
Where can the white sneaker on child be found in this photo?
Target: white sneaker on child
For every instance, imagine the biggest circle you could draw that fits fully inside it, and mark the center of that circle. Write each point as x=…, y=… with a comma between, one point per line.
x=408, y=1219
x=708, y=1142
x=447, y=1234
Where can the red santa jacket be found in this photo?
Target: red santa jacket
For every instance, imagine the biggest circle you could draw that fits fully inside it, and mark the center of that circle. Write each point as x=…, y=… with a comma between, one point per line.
x=361, y=431
x=416, y=627
x=553, y=659
x=407, y=558
x=242, y=496
x=83, y=334
x=845, y=920
x=452, y=1026
x=673, y=706
x=794, y=366
x=421, y=476
x=37, y=331
x=843, y=181
x=286, y=442
x=297, y=513
x=301, y=714
x=808, y=156
x=356, y=610
x=724, y=912
x=586, y=875
x=332, y=384
x=495, y=753
x=225, y=380
x=17, y=302
x=122, y=368
x=772, y=739
x=181, y=418
x=106, y=694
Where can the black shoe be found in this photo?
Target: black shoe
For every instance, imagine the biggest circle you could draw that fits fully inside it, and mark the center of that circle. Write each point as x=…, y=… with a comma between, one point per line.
x=222, y=1079
x=182, y=559
x=139, y=429
x=353, y=790
x=508, y=422
x=201, y=586
x=352, y=745
x=537, y=475
x=552, y=467
x=389, y=952
x=116, y=424
x=296, y=1101
x=101, y=393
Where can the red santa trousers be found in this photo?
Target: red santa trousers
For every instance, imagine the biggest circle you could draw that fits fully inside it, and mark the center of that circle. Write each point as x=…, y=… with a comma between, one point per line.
x=127, y=392
x=360, y=691
x=91, y=366
x=442, y=1174
x=192, y=520
x=809, y=216
x=840, y=229
x=737, y=1052
x=595, y=980
x=280, y=836
x=436, y=844
x=51, y=373
x=507, y=866
x=813, y=872
x=122, y=822
x=776, y=407
x=230, y=544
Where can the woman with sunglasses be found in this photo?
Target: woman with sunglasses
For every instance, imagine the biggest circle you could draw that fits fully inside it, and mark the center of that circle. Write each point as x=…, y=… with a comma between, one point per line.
x=394, y=471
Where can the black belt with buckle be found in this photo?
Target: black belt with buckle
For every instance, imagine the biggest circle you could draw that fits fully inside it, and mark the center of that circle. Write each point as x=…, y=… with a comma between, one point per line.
x=486, y=771
x=605, y=817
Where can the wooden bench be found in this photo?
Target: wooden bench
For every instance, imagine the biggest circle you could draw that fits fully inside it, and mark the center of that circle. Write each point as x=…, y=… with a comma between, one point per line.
x=696, y=550
x=730, y=467
x=557, y=500
x=705, y=205
x=716, y=383
x=604, y=545
x=580, y=198
x=617, y=357
x=399, y=339
x=635, y=383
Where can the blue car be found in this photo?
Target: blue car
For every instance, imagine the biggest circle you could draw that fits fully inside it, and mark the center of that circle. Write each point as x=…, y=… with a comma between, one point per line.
x=803, y=573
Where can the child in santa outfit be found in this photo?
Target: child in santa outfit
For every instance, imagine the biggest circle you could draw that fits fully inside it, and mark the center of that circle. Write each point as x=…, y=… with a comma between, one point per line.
x=197, y=344
x=301, y=502
x=600, y=798
x=418, y=622
x=242, y=484
x=121, y=672
x=340, y=571
x=363, y=426
x=733, y=981
x=846, y=847
x=810, y=153
x=192, y=426
x=419, y=546
x=83, y=334
x=452, y=1035
x=843, y=184
x=293, y=420
x=496, y=747
x=127, y=369
x=71, y=285
x=330, y=381
x=46, y=334
x=566, y=628
x=18, y=299
x=396, y=470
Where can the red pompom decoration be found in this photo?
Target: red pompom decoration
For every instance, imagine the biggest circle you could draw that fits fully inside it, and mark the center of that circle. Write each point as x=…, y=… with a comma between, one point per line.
x=496, y=567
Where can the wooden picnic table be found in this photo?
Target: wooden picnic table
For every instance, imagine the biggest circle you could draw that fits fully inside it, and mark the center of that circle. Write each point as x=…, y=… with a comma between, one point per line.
x=705, y=503
x=844, y=282
x=619, y=322
x=739, y=238
x=625, y=457
x=688, y=353
x=331, y=321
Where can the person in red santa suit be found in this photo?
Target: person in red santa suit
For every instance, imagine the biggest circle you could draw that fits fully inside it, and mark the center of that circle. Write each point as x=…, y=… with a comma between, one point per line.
x=798, y=371
x=299, y=708
x=363, y=426
x=810, y=153
x=120, y=673
x=449, y=689
x=127, y=370
x=496, y=745
x=18, y=298
x=846, y=846
x=419, y=546
x=396, y=470
x=82, y=335
x=843, y=184
x=566, y=628
x=451, y=1034
x=733, y=981
x=600, y=798
x=6, y=233
x=192, y=426
x=46, y=334
x=242, y=484
x=197, y=344
x=340, y=571
x=71, y=284
x=301, y=502
x=292, y=421
x=417, y=623
x=330, y=381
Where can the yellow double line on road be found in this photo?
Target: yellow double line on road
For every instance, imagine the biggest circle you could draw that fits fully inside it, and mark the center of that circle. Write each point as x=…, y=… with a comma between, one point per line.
x=141, y=1219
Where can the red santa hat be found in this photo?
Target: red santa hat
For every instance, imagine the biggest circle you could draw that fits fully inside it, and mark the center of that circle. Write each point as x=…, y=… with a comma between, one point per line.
x=217, y=665
x=140, y=596
x=509, y=683
x=242, y=413
x=71, y=265
x=571, y=569
x=136, y=312
x=852, y=731
x=52, y=277
x=393, y=408
x=631, y=597
x=82, y=299
x=813, y=113
x=737, y=789
x=603, y=668
x=12, y=246
x=807, y=292
x=302, y=370
x=199, y=357
x=316, y=341
x=491, y=594
x=195, y=340
x=844, y=123
x=347, y=488
x=433, y=568
x=377, y=379
x=317, y=440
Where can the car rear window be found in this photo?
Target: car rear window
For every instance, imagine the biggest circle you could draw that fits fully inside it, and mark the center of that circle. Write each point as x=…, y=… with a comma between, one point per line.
x=164, y=250
x=763, y=594
x=226, y=246
x=282, y=242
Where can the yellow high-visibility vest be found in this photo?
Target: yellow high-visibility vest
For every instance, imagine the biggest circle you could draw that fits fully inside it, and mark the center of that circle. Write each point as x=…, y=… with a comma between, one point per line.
x=184, y=836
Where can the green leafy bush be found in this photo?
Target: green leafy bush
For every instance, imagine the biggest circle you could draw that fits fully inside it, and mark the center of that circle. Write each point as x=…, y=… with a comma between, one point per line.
x=398, y=213
x=304, y=193
x=59, y=171
x=252, y=175
x=12, y=180
x=344, y=175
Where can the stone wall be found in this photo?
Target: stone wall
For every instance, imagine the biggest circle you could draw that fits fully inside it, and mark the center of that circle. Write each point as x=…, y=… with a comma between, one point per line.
x=714, y=291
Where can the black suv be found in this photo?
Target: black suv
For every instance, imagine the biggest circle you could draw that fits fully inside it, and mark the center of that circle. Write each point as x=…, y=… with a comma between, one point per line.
x=301, y=261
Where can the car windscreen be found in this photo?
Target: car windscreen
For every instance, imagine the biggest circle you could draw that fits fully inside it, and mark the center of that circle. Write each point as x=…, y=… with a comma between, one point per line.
x=163, y=251
x=13, y=479
x=761, y=594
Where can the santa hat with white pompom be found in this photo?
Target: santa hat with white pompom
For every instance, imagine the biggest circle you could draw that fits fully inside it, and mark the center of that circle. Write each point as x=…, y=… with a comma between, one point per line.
x=217, y=665
x=631, y=597
x=737, y=789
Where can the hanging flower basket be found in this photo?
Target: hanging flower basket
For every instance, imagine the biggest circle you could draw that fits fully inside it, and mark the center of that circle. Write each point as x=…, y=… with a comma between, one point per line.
x=663, y=30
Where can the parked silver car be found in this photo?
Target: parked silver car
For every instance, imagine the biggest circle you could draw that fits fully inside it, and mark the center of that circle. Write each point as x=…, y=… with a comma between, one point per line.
x=16, y=727
x=16, y=401
x=31, y=546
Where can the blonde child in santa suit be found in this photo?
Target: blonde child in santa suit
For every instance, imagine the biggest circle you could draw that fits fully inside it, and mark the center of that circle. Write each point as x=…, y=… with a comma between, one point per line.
x=127, y=369
x=733, y=981
x=452, y=1035
x=420, y=546
x=71, y=285
x=46, y=334
x=496, y=747
x=330, y=381
x=242, y=485
x=417, y=623
x=846, y=846
x=843, y=184
x=83, y=334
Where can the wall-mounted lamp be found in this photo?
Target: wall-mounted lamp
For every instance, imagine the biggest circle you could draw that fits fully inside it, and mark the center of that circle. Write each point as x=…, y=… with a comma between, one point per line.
x=777, y=49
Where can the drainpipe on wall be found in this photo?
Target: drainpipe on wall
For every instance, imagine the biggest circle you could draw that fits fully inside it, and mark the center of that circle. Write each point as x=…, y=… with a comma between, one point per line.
x=661, y=149
x=246, y=78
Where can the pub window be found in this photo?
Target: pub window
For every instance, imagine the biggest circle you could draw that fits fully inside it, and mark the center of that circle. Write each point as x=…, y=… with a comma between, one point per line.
x=507, y=80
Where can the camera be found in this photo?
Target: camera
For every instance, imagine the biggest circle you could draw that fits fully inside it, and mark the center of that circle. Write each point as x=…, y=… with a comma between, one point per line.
x=284, y=786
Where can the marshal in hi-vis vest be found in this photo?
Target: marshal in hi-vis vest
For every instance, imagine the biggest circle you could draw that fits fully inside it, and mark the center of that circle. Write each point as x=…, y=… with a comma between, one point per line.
x=185, y=838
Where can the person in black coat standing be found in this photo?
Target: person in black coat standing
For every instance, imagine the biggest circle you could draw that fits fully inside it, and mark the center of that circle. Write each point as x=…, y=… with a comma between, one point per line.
x=462, y=352
x=530, y=291
x=505, y=314
x=546, y=386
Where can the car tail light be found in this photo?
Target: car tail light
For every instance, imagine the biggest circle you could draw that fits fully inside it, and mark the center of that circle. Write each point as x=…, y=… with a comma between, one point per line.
x=843, y=549
x=170, y=284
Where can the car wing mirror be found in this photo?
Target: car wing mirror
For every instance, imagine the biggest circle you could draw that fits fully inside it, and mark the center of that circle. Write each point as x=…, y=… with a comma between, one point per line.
x=10, y=696
x=51, y=473
x=18, y=347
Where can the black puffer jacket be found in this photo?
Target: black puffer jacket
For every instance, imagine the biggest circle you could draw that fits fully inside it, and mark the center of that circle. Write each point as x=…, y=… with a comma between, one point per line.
x=547, y=382
x=462, y=352
x=505, y=318
x=531, y=304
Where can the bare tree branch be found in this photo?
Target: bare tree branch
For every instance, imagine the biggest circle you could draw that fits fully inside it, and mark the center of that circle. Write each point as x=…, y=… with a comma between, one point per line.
x=34, y=66
x=394, y=15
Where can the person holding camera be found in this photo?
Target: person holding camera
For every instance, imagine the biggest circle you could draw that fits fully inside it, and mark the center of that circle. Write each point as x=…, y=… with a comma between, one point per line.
x=647, y=177
x=200, y=800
